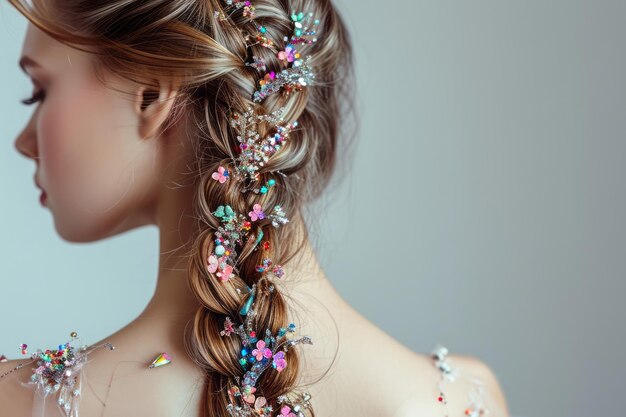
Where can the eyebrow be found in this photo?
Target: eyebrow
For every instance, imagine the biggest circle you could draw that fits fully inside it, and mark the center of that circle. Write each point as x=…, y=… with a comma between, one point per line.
x=26, y=61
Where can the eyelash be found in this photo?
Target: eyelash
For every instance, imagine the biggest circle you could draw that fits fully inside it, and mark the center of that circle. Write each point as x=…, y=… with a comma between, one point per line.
x=39, y=95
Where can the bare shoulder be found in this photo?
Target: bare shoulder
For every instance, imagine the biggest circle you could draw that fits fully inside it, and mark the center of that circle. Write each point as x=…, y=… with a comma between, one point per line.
x=175, y=391
x=423, y=400
x=474, y=369
x=483, y=372
x=15, y=398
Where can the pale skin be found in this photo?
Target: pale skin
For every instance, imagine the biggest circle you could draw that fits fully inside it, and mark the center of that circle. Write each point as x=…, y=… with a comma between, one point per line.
x=105, y=171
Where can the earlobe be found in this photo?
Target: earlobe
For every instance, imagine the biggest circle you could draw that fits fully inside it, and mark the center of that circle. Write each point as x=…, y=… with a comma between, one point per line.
x=154, y=107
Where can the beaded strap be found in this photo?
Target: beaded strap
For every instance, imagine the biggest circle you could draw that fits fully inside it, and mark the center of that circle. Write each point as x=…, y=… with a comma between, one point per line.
x=475, y=407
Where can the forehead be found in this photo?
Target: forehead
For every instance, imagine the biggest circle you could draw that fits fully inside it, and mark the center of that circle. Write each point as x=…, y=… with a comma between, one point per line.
x=49, y=53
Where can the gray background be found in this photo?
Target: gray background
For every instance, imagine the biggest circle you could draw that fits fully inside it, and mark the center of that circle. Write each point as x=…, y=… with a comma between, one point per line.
x=484, y=209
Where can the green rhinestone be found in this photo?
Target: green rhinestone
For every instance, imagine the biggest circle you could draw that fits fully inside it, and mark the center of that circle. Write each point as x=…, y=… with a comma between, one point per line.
x=263, y=190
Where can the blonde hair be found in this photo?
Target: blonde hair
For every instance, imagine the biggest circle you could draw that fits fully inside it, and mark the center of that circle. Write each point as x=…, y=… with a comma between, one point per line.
x=184, y=41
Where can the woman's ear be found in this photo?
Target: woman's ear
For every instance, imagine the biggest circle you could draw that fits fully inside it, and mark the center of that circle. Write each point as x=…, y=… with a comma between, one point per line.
x=153, y=108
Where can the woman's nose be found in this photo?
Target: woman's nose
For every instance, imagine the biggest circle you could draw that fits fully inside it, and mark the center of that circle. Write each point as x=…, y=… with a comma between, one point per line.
x=26, y=141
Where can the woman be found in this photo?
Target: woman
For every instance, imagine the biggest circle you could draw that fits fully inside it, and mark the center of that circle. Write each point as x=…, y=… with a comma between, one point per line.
x=218, y=122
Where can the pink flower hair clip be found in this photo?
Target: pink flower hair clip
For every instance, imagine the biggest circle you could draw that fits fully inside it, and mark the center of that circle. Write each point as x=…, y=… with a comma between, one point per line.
x=221, y=175
x=256, y=213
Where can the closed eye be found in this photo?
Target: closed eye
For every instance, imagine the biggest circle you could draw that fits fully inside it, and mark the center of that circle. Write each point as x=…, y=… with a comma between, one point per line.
x=39, y=95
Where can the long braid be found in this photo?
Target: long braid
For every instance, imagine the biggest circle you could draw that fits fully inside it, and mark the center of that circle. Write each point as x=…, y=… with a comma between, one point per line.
x=236, y=291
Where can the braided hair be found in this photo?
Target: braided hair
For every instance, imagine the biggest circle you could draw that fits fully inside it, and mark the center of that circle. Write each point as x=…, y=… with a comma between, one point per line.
x=249, y=202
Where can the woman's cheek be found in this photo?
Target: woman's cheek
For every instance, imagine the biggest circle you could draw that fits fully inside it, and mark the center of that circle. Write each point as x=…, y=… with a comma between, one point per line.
x=81, y=158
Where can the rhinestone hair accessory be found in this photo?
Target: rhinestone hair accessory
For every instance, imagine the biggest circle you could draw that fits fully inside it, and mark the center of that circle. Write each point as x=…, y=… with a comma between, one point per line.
x=257, y=355
x=254, y=151
x=292, y=79
x=297, y=71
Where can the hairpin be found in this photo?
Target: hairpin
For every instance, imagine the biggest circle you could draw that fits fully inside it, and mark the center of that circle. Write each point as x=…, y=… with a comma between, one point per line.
x=248, y=8
x=278, y=216
x=251, y=293
x=265, y=188
x=255, y=356
x=254, y=152
x=277, y=270
x=261, y=39
x=268, y=264
x=291, y=79
x=257, y=63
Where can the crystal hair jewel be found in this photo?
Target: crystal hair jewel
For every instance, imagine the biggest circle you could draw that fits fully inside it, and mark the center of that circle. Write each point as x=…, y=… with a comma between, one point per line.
x=254, y=151
x=292, y=79
x=257, y=355
x=248, y=8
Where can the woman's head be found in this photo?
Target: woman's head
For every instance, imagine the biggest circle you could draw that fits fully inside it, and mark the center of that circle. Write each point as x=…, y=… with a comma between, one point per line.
x=138, y=97
x=98, y=157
